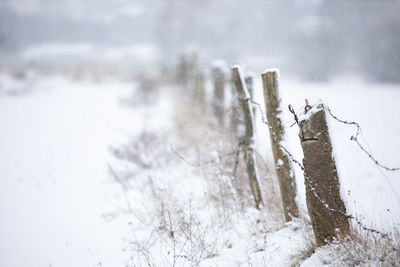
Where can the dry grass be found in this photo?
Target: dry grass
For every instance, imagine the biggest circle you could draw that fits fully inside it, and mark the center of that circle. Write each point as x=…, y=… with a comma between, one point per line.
x=185, y=229
x=363, y=248
x=214, y=149
x=360, y=248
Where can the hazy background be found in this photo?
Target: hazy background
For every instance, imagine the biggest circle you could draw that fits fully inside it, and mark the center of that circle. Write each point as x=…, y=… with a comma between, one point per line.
x=310, y=39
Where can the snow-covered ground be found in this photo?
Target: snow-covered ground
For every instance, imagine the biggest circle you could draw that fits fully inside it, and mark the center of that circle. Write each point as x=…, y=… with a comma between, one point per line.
x=55, y=185
x=54, y=177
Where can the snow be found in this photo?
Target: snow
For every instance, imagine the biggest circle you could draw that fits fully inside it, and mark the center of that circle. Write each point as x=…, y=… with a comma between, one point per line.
x=215, y=156
x=277, y=71
x=277, y=248
x=315, y=105
x=56, y=191
x=279, y=163
x=54, y=186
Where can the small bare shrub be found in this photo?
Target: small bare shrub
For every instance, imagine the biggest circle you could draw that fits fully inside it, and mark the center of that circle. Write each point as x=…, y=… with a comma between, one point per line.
x=184, y=226
x=216, y=151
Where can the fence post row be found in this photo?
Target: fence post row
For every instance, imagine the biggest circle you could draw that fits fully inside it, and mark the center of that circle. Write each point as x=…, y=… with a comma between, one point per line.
x=248, y=142
x=182, y=70
x=283, y=167
x=325, y=206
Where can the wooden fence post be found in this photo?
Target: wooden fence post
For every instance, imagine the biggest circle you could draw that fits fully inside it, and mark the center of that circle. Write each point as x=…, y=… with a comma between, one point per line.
x=248, y=146
x=199, y=87
x=236, y=114
x=192, y=65
x=325, y=206
x=249, y=80
x=182, y=70
x=284, y=171
x=218, y=76
x=195, y=78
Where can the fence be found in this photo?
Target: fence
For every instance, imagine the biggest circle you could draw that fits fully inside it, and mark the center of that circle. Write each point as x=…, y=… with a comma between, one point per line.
x=326, y=209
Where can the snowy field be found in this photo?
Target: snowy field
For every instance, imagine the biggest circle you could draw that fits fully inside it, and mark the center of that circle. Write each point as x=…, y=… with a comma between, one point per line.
x=55, y=188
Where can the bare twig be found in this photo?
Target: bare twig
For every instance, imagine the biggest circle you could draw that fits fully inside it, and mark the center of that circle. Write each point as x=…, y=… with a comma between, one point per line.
x=198, y=165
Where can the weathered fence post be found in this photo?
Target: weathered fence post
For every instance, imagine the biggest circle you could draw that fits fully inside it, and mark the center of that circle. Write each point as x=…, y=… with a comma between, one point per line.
x=192, y=65
x=199, y=86
x=249, y=80
x=245, y=104
x=325, y=206
x=236, y=114
x=182, y=70
x=218, y=76
x=284, y=171
x=195, y=78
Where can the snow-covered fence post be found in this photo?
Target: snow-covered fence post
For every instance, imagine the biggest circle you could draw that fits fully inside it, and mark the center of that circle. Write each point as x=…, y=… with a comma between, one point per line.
x=192, y=70
x=248, y=142
x=192, y=67
x=325, y=206
x=198, y=79
x=284, y=170
x=199, y=86
x=218, y=77
x=182, y=70
x=249, y=80
x=195, y=80
x=236, y=114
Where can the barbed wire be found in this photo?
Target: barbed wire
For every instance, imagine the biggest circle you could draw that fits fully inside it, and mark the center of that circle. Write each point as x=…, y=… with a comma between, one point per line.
x=292, y=158
x=308, y=180
x=355, y=139
x=198, y=165
x=236, y=152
